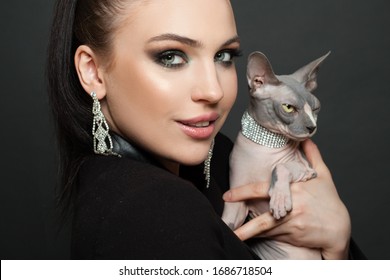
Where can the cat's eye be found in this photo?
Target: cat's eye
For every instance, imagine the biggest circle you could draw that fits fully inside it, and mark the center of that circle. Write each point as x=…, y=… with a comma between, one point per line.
x=288, y=108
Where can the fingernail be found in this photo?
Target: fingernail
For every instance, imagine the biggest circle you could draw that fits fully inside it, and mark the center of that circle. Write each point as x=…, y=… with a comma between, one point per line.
x=227, y=196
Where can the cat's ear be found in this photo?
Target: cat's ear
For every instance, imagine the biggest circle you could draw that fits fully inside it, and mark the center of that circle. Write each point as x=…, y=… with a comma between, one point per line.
x=308, y=74
x=259, y=71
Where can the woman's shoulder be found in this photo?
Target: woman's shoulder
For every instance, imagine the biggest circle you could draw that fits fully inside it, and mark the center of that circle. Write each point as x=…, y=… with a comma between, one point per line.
x=114, y=176
x=131, y=209
x=126, y=209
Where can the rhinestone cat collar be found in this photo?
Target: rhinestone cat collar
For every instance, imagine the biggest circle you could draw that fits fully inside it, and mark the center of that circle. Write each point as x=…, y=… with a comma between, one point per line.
x=261, y=135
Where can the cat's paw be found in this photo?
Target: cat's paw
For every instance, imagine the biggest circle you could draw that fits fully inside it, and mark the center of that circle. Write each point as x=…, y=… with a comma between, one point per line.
x=312, y=174
x=280, y=203
x=309, y=174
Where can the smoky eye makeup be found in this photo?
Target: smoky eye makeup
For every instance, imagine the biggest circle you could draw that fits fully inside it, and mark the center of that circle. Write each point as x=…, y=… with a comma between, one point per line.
x=226, y=56
x=175, y=58
x=170, y=58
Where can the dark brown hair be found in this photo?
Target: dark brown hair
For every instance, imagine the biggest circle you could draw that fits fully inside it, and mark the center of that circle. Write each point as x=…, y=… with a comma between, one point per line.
x=75, y=23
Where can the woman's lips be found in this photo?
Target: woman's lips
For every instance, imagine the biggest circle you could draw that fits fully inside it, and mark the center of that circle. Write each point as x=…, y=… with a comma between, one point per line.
x=201, y=127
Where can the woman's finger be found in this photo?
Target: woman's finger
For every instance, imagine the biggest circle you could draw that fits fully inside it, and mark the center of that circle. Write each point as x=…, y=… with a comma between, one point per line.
x=313, y=155
x=249, y=191
x=256, y=226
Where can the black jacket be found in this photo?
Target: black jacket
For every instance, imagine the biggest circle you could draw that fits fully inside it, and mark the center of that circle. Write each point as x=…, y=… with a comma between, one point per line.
x=131, y=208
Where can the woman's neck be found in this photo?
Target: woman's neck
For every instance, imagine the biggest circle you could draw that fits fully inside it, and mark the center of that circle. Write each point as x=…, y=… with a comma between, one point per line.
x=125, y=148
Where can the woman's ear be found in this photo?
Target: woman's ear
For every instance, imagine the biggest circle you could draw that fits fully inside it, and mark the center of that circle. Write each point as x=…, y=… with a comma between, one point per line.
x=88, y=71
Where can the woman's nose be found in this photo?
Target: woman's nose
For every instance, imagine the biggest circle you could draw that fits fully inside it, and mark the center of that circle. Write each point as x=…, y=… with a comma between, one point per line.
x=207, y=85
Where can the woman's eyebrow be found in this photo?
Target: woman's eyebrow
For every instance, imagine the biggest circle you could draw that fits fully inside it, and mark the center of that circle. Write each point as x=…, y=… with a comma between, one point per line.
x=233, y=40
x=188, y=41
x=174, y=37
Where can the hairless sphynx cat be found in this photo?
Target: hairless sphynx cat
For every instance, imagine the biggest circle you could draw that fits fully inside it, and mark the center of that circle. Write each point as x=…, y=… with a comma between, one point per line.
x=282, y=113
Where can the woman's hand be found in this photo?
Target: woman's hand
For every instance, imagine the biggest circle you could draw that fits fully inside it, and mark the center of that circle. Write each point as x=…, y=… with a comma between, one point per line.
x=319, y=218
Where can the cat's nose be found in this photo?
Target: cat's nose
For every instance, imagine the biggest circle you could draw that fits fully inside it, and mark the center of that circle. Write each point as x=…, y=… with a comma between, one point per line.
x=311, y=129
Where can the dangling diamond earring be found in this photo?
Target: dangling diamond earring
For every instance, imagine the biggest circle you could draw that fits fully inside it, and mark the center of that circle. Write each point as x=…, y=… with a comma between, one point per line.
x=207, y=165
x=100, y=129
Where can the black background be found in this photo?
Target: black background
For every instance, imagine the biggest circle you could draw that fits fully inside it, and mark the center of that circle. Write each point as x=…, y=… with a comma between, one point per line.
x=353, y=133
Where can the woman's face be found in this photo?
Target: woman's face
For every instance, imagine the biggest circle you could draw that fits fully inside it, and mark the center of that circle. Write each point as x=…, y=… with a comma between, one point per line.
x=172, y=81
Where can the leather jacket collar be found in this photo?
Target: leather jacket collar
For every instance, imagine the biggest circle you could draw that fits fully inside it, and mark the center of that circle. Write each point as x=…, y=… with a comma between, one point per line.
x=125, y=149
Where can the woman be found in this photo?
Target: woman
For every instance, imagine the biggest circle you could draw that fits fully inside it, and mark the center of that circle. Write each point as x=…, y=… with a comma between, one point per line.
x=139, y=91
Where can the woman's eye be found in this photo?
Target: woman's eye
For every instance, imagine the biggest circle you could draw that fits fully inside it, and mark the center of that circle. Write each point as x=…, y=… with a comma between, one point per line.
x=288, y=108
x=172, y=59
x=223, y=57
x=226, y=57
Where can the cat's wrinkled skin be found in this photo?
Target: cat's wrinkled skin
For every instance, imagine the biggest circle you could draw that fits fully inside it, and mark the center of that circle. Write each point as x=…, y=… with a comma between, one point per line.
x=251, y=162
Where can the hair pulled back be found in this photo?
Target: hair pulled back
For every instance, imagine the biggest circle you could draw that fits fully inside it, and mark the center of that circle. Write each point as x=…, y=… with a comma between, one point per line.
x=75, y=23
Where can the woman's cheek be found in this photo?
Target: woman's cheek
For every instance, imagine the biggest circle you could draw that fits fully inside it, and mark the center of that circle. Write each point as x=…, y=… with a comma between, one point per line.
x=230, y=89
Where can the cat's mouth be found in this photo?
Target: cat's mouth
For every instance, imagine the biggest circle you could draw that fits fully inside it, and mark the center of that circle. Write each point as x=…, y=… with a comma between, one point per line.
x=301, y=137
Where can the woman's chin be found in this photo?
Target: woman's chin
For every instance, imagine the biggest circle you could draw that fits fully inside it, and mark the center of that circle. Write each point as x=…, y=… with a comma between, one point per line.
x=191, y=161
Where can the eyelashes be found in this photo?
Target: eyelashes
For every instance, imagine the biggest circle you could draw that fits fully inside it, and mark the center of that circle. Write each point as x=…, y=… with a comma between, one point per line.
x=177, y=58
x=226, y=57
x=171, y=58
